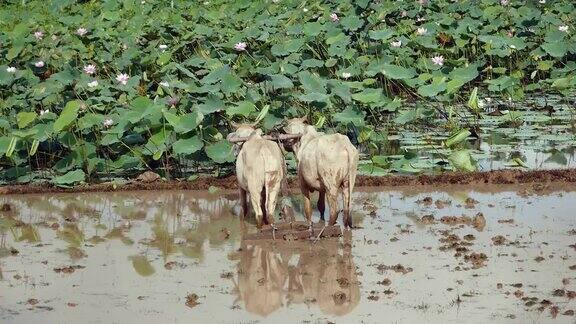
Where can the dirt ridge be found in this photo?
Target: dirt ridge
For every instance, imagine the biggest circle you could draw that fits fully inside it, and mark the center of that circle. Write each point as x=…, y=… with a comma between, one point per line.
x=229, y=182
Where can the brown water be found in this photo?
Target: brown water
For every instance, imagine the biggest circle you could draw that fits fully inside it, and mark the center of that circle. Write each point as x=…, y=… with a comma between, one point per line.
x=142, y=253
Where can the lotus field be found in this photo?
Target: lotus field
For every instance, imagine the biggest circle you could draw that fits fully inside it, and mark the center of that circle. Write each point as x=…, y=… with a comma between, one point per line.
x=104, y=90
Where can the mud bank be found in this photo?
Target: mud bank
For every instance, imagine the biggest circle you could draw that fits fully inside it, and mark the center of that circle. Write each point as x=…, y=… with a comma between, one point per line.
x=229, y=182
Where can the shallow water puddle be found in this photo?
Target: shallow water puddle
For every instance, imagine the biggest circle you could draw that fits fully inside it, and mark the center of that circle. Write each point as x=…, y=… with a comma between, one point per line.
x=504, y=256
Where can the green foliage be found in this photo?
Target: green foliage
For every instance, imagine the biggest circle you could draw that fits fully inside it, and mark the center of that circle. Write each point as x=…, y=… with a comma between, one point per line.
x=220, y=152
x=188, y=74
x=70, y=178
x=461, y=160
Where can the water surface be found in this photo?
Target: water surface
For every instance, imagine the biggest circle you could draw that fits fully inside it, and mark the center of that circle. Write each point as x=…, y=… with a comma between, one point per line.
x=141, y=253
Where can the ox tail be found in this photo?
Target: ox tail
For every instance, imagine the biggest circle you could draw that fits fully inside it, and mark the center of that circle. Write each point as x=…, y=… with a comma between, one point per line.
x=352, y=169
x=271, y=181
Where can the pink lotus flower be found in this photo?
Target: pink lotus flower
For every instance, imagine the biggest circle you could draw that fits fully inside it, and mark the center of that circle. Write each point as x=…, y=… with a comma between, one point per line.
x=563, y=28
x=334, y=17
x=44, y=112
x=122, y=78
x=403, y=14
x=421, y=31
x=438, y=60
x=107, y=122
x=39, y=64
x=81, y=31
x=90, y=69
x=504, y=2
x=346, y=75
x=241, y=46
x=39, y=34
x=423, y=2
x=396, y=43
x=173, y=101
x=11, y=69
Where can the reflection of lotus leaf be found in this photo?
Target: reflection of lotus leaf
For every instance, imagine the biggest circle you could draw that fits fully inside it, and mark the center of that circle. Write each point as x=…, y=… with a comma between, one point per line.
x=72, y=235
x=142, y=265
x=28, y=233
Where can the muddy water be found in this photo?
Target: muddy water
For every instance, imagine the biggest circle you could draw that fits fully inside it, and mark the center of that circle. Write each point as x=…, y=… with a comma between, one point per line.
x=134, y=257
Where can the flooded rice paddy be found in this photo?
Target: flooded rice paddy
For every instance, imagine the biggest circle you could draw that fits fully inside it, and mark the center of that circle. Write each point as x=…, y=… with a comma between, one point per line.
x=457, y=255
x=538, y=131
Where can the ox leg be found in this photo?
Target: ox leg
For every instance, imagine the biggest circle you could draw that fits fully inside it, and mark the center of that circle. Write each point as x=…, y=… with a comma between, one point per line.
x=243, y=203
x=333, y=205
x=307, y=205
x=332, y=196
x=263, y=195
x=346, y=203
x=255, y=200
x=271, y=197
x=322, y=204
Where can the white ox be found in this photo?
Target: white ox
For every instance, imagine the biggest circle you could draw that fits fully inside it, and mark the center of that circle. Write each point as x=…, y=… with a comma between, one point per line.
x=260, y=170
x=327, y=164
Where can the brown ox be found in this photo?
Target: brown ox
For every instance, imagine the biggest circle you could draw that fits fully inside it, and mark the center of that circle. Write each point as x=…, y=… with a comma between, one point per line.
x=260, y=170
x=326, y=163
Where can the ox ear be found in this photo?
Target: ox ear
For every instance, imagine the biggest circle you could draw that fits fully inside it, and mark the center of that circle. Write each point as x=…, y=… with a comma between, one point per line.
x=234, y=125
x=231, y=135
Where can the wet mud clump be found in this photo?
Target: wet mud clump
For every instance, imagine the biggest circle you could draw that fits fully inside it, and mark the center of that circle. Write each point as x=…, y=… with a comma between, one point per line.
x=452, y=241
x=373, y=296
x=192, y=300
x=68, y=269
x=477, y=259
x=470, y=203
x=339, y=298
x=396, y=268
x=478, y=221
x=427, y=220
x=498, y=240
x=559, y=293
x=462, y=247
x=32, y=301
x=343, y=282
x=425, y=201
x=385, y=282
x=440, y=204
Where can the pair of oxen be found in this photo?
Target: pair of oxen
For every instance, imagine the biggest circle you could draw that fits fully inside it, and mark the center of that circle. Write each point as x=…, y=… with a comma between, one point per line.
x=327, y=163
